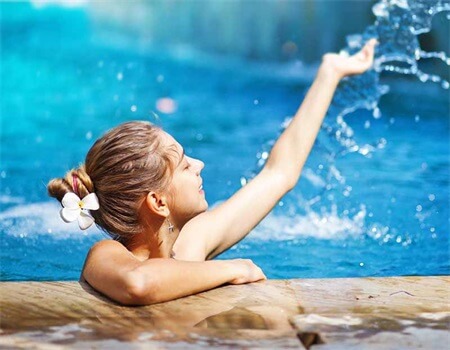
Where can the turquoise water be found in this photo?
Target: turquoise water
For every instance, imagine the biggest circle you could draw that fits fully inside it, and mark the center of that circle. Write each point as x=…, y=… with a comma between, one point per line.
x=372, y=203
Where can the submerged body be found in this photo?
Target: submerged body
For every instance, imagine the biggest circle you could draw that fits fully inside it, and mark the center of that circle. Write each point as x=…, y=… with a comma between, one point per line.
x=172, y=237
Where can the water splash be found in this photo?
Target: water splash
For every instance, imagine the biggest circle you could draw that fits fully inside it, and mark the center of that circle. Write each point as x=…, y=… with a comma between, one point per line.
x=397, y=26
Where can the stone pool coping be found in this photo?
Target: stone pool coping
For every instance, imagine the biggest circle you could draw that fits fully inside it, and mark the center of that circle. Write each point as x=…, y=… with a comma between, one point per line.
x=387, y=313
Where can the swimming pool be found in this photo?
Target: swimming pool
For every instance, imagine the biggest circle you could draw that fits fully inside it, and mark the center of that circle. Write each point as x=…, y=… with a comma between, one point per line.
x=382, y=210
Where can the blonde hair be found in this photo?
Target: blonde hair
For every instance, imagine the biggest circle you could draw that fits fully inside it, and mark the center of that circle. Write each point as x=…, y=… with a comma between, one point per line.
x=121, y=168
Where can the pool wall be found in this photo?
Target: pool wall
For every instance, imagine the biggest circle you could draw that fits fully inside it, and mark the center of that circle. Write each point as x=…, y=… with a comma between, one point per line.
x=380, y=313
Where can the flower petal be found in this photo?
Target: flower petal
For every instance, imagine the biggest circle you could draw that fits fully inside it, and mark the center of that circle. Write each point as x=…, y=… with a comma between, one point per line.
x=85, y=220
x=69, y=215
x=90, y=202
x=70, y=200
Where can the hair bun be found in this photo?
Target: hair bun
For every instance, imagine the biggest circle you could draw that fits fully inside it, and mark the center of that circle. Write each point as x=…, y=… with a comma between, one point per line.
x=84, y=182
x=75, y=180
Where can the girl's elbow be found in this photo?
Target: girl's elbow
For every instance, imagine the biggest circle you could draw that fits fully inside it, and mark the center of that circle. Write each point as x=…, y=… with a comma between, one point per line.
x=284, y=178
x=288, y=180
x=138, y=290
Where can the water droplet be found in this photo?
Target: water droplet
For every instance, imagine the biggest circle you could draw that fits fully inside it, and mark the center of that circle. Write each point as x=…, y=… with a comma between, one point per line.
x=160, y=78
x=367, y=124
x=347, y=191
x=380, y=9
x=264, y=155
x=255, y=102
x=243, y=181
x=381, y=143
x=376, y=113
x=361, y=264
x=432, y=229
x=354, y=148
x=417, y=118
x=419, y=208
x=199, y=137
x=398, y=239
x=431, y=197
x=364, y=150
x=119, y=76
x=133, y=108
x=49, y=230
x=89, y=135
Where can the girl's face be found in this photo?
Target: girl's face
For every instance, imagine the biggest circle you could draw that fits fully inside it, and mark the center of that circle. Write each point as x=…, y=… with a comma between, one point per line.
x=187, y=198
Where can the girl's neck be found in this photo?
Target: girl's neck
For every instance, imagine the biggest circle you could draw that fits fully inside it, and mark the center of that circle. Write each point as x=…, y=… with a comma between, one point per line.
x=150, y=244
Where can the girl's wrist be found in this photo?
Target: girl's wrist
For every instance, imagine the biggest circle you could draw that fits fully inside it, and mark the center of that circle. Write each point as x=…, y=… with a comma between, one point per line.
x=329, y=74
x=228, y=269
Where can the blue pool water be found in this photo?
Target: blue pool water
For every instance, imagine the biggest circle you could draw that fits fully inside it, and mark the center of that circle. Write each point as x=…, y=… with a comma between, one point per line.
x=376, y=209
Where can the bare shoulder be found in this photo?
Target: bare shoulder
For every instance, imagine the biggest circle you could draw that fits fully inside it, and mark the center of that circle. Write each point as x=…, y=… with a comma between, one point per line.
x=107, y=245
x=106, y=254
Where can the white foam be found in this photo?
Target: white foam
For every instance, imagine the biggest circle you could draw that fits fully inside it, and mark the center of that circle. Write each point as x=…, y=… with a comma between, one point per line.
x=323, y=226
x=30, y=220
x=5, y=199
x=39, y=219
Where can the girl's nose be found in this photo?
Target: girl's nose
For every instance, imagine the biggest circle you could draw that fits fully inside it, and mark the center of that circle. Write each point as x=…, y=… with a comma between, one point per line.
x=199, y=165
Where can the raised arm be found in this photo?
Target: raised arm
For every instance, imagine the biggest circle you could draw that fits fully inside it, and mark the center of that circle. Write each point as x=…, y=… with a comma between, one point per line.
x=291, y=151
x=228, y=223
x=112, y=270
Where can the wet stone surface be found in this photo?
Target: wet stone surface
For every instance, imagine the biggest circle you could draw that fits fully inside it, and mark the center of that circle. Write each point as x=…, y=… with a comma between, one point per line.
x=387, y=313
x=408, y=312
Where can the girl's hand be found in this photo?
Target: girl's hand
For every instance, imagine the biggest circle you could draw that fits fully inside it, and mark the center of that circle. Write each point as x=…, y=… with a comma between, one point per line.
x=341, y=65
x=246, y=271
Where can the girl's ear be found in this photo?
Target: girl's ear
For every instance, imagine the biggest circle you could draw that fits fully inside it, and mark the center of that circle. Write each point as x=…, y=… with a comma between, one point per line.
x=157, y=204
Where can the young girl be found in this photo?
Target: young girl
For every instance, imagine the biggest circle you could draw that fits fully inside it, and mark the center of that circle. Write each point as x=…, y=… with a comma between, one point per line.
x=140, y=187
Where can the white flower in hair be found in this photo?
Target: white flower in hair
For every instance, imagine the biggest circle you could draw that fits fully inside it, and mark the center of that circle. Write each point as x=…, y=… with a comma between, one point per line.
x=75, y=208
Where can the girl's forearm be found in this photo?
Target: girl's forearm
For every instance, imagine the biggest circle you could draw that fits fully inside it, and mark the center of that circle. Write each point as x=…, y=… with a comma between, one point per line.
x=158, y=280
x=291, y=150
